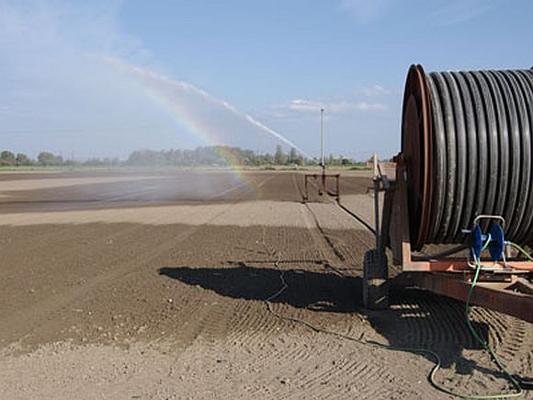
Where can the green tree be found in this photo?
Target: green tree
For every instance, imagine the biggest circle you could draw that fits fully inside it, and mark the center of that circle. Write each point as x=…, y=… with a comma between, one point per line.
x=46, y=158
x=268, y=159
x=293, y=156
x=7, y=158
x=22, y=159
x=280, y=157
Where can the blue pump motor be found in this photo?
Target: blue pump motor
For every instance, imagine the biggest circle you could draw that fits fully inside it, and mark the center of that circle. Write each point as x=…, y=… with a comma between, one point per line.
x=496, y=244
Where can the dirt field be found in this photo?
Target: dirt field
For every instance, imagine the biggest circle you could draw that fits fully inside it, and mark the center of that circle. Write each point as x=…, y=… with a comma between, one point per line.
x=151, y=285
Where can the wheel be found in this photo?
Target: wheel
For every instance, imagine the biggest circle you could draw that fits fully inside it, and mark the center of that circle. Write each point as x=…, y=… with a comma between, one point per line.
x=375, y=288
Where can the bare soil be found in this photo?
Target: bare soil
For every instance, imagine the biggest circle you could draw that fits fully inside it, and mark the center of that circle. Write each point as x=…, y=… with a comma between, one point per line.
x=151, y=285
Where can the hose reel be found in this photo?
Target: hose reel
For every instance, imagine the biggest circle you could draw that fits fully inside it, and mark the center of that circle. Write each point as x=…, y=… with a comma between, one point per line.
x=467, y=145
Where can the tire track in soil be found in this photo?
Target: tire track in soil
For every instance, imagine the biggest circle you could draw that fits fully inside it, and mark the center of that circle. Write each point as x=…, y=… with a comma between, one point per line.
x=509, y=337
x=439, y=322
x=256, y=324
x=207, y=323
x=343, y=375
x=362, y=368
x=337, y=244
x=252, y=324
x=431, y=321
x=436, y=322
x=257, y=328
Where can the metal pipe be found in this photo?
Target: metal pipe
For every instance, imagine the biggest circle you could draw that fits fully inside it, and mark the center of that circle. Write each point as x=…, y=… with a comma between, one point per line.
x=322, y=138
x=376, y=180
x=322, y=160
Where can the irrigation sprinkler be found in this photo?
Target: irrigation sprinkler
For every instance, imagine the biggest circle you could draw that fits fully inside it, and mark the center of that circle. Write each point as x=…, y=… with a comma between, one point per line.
x=322, y=177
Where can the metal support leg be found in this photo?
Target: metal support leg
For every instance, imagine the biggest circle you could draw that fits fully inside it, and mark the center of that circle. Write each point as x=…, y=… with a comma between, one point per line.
x=376, y=180
x=306, y=195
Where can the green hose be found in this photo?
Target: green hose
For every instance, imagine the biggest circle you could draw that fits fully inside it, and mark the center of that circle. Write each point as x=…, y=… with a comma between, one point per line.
x=519, y=392
x=485, y=345
x=438, y=363
x=521, y=250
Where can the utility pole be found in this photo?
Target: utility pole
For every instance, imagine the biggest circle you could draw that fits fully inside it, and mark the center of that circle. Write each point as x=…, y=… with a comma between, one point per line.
x=322, y=161
x=322, y=188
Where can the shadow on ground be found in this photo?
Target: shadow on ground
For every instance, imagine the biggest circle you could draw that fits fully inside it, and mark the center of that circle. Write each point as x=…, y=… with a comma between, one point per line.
x=416, y=319
x=312, y=290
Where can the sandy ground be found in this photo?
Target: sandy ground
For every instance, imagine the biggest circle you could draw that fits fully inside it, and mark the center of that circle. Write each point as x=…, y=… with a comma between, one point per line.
x=120, y=285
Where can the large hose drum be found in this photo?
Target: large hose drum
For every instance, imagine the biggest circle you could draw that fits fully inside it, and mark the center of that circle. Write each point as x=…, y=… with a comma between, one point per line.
x=467, y=145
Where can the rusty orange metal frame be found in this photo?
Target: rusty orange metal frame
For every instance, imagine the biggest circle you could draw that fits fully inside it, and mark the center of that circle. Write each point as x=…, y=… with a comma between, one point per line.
x=459, y=264
x=503, y=289
x=499, y=296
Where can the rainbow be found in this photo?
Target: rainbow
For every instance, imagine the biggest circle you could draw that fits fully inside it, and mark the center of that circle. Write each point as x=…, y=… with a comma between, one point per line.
x=200, y=130
x=162, y=91
x=178, y=99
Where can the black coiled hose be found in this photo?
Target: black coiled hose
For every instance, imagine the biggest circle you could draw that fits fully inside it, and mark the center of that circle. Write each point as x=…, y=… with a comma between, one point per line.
x=467, y=144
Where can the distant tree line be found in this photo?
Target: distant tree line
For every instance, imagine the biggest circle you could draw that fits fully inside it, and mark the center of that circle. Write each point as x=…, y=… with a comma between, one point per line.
x=215, y=156
x=48, y=159
x=200, y=156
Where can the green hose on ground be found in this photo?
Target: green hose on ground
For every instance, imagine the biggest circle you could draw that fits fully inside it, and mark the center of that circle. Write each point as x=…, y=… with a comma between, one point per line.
x=432, y=375
x=516, y=385
x=485, y=345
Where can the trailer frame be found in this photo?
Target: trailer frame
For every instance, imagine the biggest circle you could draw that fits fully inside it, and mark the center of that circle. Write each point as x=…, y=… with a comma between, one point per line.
x=323, y=185
x=506, y=287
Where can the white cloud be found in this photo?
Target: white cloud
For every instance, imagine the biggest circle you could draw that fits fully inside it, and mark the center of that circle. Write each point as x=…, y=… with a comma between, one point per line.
x=375, y=91
x=439, y=13
x=366, y=106
x=460, y=11
x=334, y=107
x=366, y=11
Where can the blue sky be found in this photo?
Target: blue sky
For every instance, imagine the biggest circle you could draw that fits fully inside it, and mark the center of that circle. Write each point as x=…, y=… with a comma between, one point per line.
x=279, y=61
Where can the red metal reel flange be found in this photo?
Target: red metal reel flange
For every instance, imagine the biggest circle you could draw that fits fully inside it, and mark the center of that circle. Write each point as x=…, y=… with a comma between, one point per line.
x=417, y=153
